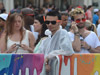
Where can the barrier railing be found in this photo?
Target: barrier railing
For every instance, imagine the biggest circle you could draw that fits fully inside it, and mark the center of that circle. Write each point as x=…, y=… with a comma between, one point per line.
x=33, y=64
x=79, y=64
x=16, y=64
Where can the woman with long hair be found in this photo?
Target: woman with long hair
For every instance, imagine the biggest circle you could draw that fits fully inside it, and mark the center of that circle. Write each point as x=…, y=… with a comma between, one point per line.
x=40, y=27
x=16, y=38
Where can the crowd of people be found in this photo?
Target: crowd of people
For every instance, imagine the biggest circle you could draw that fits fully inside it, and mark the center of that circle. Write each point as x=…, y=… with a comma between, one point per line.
x=50, y=31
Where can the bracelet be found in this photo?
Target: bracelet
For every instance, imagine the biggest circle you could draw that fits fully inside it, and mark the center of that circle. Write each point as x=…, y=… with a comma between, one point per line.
x=77, y=33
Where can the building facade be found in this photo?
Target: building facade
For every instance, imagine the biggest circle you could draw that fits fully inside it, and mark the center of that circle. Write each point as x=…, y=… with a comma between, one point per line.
x=61, y=4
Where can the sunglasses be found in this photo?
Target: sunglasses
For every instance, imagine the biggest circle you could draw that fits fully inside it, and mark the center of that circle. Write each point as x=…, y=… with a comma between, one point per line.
x=52, y=22
x=79, y=20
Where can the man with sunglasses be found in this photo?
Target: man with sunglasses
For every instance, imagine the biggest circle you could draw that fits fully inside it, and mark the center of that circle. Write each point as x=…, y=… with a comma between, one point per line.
x=84, y=41
x=59, y=43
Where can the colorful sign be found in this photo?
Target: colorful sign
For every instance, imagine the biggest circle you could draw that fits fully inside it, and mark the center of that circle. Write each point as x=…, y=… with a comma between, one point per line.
x=12, y=63
x=80, y=64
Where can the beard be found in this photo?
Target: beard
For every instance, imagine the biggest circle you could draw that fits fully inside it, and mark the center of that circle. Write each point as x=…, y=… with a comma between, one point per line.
x=80, y=25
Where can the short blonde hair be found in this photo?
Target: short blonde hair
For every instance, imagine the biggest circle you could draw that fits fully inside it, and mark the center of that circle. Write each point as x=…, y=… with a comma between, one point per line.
x=76, y=11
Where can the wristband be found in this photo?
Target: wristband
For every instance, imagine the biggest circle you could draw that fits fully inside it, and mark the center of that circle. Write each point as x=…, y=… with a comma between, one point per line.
x=77, y=33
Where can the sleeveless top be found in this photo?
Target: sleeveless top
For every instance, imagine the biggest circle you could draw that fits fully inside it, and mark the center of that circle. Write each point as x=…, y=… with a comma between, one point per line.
x=24, y=41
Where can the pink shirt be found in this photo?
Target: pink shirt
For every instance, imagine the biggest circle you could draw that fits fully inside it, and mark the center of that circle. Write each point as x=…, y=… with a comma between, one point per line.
x=89, y=15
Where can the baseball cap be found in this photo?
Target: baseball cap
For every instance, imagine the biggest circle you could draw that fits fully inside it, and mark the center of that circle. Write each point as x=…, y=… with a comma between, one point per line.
x=4, y=16
x=96, y=10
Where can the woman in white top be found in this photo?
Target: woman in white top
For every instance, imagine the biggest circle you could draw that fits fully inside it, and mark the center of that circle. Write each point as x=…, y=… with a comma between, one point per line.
x=16, y=38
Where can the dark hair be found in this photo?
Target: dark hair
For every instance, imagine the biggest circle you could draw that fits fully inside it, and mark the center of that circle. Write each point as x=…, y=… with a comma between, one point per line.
x=54, y=13
x=40, y=18
x=28, y=17
x=85, y=8
x=95, y=12
x=3, y=10
x=28, y=21
x=50, y=5
x=89, y=6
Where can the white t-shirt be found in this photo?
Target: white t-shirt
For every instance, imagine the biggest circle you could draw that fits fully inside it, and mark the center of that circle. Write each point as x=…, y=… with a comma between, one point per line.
x=91, y=40
x=98, y=30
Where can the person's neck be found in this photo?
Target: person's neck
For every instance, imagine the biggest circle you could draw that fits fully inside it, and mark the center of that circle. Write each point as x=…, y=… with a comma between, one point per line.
x=39, y=32
x=81, y=31
x=53, y=32
x=16, y=31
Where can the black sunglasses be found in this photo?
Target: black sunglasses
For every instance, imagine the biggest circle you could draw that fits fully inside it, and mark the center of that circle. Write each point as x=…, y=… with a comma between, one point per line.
x=52, y=22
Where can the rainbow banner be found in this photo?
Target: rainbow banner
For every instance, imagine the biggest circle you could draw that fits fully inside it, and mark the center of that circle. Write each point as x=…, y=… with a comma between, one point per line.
x=79, y=64
x=12, y=63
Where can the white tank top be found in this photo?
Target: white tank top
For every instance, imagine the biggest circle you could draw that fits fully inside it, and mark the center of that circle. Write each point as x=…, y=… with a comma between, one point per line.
x=24, y=41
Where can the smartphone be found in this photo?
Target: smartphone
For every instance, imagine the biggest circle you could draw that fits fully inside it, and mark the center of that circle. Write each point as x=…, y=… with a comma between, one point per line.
x=18, y=45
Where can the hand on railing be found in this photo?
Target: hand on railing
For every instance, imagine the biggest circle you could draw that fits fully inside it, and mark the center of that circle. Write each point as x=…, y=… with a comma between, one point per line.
x=47, y=66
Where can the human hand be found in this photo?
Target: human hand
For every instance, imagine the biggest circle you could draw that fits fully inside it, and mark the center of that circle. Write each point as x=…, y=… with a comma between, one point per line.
x=47, y=66
x=74, y=27
x=84, y=45
x=12, y=48
x=25, y=47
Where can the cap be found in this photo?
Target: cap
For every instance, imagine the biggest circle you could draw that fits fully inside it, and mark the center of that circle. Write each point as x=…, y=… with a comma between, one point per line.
x=96, y=10
x=27, y=11
x=4, y=16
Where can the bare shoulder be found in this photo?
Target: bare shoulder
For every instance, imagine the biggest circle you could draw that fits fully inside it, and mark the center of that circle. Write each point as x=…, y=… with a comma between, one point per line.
x=3, y=36
x=87, y=32
x=31, y=38
x=2, y=42
x=30, y=34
